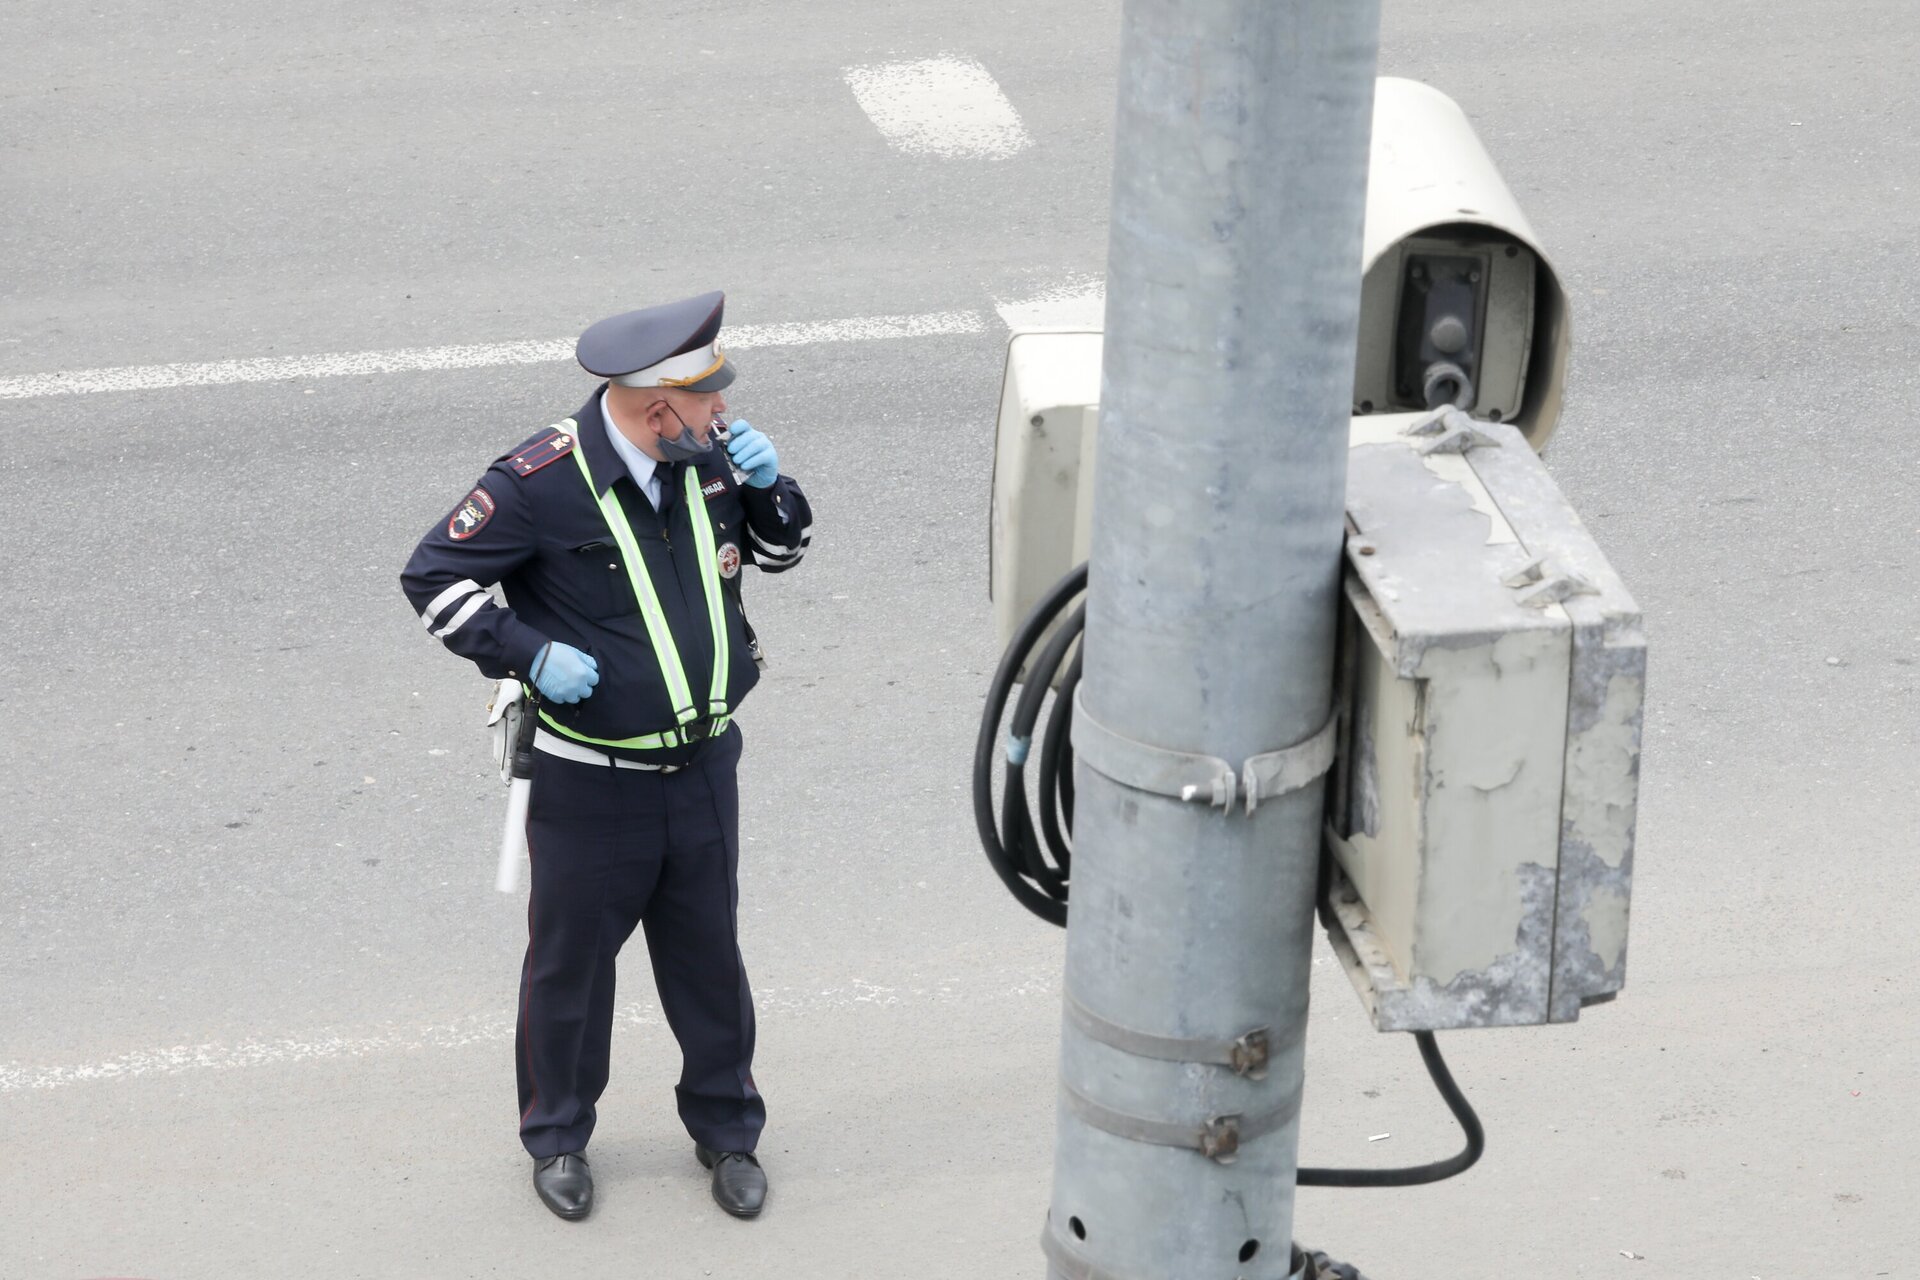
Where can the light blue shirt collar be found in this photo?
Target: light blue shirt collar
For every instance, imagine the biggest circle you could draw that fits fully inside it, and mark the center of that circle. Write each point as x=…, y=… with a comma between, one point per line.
x=642, y=468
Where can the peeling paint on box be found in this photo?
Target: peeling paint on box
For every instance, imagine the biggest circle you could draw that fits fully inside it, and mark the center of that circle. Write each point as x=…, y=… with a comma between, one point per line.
x=1491, y=856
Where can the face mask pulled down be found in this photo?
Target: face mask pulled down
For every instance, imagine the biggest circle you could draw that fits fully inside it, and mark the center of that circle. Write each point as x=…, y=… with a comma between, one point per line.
x=686, y=447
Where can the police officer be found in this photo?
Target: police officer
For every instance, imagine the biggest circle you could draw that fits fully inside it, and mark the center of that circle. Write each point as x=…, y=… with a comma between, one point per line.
x=617, y=538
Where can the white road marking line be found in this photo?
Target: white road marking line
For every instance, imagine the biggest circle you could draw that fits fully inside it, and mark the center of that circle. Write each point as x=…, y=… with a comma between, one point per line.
x=184, y=1059
x=939, y=107
x=155, y=377
x=1078, y=303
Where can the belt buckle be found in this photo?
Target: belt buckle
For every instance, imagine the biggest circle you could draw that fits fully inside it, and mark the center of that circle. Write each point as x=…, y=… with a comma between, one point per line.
x=698, y=731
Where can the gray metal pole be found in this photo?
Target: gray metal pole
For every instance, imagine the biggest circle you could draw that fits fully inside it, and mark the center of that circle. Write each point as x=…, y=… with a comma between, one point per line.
x=1232, y=305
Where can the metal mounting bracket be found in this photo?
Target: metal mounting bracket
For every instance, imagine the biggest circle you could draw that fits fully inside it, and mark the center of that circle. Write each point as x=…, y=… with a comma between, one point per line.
x=1194, y=778
x=1541, y=583
x=1450, y=430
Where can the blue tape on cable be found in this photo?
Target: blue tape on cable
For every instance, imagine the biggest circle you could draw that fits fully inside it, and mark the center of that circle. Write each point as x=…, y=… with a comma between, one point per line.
x=1017, y=750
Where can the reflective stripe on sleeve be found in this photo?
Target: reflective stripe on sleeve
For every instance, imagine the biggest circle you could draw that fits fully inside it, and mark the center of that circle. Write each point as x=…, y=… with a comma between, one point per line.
x=445, y=598
x=778, y=550
x=467, y=610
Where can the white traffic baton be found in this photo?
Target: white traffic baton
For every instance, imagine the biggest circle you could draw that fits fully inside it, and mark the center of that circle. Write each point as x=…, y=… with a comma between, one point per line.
x=516, y=714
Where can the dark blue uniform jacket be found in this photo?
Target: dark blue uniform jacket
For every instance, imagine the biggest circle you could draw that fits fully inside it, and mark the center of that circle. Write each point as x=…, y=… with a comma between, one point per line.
x=532, y=526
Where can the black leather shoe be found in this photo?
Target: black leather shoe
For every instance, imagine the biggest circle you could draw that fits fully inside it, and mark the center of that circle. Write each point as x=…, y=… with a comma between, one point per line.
x=565, y=1184
x=739, y=1183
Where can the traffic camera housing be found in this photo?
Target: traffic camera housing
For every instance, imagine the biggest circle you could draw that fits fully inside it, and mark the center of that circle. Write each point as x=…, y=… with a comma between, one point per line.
x=1459, y=304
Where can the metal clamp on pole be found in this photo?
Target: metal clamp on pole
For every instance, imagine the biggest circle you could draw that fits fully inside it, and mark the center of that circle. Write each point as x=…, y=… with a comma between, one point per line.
x=1191, y=777
x=1269, y=776
x=1247, y=1054
x=1218, y=1139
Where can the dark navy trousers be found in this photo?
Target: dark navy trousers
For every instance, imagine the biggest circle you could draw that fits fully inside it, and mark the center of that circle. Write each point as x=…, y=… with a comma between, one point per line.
x=611, y=849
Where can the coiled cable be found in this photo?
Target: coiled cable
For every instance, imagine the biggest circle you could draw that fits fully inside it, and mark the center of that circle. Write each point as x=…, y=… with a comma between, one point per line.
x=1035, y=864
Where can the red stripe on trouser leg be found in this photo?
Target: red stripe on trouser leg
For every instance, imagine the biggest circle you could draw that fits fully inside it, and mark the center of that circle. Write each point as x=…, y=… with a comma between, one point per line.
x=526, y=995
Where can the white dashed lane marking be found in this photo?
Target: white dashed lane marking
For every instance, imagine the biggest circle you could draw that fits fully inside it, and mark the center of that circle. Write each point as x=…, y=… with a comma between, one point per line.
x=939, y=107
x=153, y=377
x=16, y=1077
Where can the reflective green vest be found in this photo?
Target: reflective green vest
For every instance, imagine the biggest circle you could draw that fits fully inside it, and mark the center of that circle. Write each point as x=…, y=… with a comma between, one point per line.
x=686, y=711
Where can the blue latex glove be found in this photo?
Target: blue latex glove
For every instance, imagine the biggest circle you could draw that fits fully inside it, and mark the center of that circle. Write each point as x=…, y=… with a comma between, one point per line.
x=753, y=453
x=564, y=674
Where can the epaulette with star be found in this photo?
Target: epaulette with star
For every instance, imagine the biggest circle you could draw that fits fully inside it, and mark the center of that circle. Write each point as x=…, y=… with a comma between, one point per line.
x=548, y=447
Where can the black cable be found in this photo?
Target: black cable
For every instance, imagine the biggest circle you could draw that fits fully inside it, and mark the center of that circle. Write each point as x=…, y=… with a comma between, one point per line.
x=1048, y=861
x=1420, y=1174
x=1035, y=863
x=1015, y=851
x=1056, y=767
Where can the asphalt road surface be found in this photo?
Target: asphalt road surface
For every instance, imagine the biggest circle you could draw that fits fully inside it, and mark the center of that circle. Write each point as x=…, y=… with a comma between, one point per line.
x=255, y=985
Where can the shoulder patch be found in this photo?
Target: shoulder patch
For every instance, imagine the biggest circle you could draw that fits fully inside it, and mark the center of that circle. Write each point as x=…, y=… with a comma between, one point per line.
x=471, y=516
x=714, y=488
x=546, y=448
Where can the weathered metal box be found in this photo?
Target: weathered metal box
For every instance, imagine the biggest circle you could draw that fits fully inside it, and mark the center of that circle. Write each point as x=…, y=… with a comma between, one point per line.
x=1481, y=810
